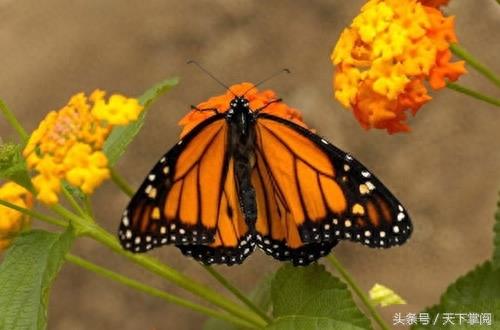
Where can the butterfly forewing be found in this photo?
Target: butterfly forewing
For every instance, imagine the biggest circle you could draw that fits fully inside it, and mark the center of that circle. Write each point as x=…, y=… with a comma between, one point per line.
x=189, y=199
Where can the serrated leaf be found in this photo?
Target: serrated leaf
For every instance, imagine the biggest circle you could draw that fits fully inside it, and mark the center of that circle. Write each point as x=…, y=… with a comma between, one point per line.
x=122, y=136
x=313, y=295
x=13, y=166
x=476, y=292
x=383, y=296
x=496, y=241
x=26, y=276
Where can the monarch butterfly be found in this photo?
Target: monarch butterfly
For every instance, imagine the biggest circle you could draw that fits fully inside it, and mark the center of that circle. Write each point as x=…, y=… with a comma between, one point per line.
x=247, y=173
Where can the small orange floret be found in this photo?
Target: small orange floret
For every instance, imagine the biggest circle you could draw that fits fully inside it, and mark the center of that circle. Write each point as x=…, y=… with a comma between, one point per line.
x=384, y=58
x=256, y=98
x=434, y=3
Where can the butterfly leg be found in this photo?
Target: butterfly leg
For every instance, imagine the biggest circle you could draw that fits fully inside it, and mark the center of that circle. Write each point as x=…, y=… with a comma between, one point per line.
x=215, y=110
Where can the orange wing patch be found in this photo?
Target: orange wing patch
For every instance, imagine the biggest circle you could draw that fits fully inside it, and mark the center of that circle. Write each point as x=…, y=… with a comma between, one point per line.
x=232, y=240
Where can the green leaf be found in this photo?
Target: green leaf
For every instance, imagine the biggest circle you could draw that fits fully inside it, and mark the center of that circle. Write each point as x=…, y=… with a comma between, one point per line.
x=315, y=299
x=26, y=276
x=496, y=242
x=476, y=292
x=260, y=296
x=122, y=136
x=13, y=166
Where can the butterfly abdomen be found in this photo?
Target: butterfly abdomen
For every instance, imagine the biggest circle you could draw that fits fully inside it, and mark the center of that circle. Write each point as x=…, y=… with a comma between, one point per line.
x=246, y=191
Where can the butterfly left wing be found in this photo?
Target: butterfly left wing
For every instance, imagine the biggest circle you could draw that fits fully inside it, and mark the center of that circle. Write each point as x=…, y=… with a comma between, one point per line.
x=189, y=199
x=313, y=193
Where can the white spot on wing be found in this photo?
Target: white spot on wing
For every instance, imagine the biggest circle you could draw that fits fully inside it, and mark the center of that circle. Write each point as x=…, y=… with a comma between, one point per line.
x=401, y=216
x=369, y=185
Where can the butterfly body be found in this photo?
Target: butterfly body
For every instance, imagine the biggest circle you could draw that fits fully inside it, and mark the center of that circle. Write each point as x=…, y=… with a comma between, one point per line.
x=246, y=177
x=241, y=143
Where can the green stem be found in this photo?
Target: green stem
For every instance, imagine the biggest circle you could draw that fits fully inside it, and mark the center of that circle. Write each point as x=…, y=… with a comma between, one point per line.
x=91, y=229
x=153, y=265
x=473, y=93
x=237, y=293
x=153, y=291
x=474, y=63
x=179, y=279
x=366, y=301
x=69, y=197
x=121, y=183
x=125, y=187
x=12, y=120
x=88, y=206
x=34, y=214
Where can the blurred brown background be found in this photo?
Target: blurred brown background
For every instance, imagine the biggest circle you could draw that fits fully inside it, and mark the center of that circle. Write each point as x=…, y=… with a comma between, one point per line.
x=447, y=171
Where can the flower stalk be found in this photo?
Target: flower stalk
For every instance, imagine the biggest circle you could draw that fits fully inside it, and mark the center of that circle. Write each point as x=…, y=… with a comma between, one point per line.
x=170, y=298
x=474, y=63
x=12, y=120
x=475, y=94
x=357, y=290
x=83, y=227
x=121, y=183
x=222, y=280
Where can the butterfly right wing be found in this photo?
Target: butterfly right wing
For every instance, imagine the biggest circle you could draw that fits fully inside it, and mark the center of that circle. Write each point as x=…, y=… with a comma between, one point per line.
x=189, y=199
x=311, y=195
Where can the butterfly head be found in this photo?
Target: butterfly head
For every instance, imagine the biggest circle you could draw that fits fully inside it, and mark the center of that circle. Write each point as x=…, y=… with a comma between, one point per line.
x=239, y=103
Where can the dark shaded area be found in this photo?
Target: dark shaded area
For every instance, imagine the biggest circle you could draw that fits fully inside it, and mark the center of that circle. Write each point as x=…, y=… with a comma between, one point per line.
x=446, y=171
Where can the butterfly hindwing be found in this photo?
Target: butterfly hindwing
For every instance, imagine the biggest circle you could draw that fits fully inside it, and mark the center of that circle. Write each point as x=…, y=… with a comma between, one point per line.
x=188, y=199
x=313, y=193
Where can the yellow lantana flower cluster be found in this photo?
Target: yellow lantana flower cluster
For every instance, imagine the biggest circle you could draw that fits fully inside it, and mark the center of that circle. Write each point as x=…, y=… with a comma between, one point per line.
x=68, y=143
x=12, y=221
x=382, y=60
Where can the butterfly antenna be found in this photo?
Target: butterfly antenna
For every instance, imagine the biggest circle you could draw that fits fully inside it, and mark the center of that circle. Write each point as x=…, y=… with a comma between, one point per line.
x=266, y=79
x=210, y=75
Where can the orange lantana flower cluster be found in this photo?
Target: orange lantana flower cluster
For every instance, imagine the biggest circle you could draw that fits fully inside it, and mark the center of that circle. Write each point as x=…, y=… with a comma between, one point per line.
x=382, y=60
x=256, y=98
x=68, y=143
